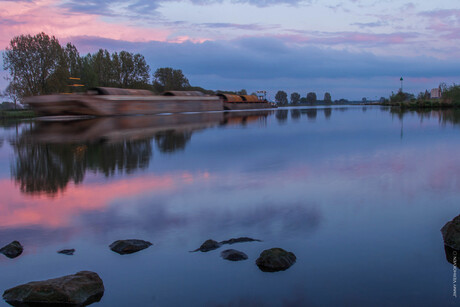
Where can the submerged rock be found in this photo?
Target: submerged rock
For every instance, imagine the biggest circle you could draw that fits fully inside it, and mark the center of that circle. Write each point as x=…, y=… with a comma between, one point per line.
x=451, y=233
x=275, y=259
x=239, y=240
x=68, y=252
x=12, y=250
x=233, y=255
x=208, y=245
x=80, y=289
x=129, y=246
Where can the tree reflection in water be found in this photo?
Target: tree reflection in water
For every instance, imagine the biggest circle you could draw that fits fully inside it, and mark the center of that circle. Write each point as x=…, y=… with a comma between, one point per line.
x=327, y=113
x=281, y=116
x=170, y=140
x=295, y=114
x=50, y=167
x=445, y=116
x=49, y=155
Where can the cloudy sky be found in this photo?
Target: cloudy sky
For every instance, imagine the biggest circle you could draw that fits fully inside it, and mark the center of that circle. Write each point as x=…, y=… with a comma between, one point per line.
x=351, y=48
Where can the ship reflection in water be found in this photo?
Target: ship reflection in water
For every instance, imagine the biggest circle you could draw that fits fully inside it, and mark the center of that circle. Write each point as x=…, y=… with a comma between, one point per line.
x=59, y=150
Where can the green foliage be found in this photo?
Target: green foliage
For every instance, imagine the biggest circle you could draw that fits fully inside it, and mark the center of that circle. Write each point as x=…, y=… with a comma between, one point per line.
x=327, y=98
x=311, y=98
x=34, y=63
x=124, y=70
x=17, y=113
x=451, y=94
x=295, y=98
x=281, y=98
x=168, y=79
x=400, y=97
x=40, y=65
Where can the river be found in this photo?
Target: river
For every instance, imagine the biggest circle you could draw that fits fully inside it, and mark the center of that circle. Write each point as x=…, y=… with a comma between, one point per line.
x=358, y=194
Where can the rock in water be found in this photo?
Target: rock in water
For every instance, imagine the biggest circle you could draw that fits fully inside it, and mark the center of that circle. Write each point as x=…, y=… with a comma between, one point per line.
x=208, y=245
x=129, y=246
x=68, y=252
x=451, y=233
x=80, y=289
x=239, y=240
x=233, y=255
x=275, y=259
x=12, y=250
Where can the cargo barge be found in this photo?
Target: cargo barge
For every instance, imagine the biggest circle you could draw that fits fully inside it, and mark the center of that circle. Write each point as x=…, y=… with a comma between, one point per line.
x=104, y=101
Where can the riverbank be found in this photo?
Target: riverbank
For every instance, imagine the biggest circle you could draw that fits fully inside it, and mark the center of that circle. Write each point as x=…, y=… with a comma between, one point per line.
x=17, y=114
x=427, y=104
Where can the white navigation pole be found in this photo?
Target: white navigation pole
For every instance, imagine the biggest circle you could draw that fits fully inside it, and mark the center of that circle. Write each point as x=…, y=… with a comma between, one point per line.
x=401, y=83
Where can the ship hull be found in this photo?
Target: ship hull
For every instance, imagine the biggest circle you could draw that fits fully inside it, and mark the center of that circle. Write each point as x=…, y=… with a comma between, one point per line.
x=120, y=105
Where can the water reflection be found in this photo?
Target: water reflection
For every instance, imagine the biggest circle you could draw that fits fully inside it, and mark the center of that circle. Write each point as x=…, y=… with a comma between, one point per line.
x=170, y=140
x=295, y=114
x=327, y=113
x=264, y=181
x=311, y=113
x=282, y=115
x=50, y=167
x=51, y=154
x=444, y=116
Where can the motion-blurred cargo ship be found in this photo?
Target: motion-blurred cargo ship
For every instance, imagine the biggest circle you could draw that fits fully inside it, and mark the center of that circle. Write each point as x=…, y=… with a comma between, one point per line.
x=105, y=101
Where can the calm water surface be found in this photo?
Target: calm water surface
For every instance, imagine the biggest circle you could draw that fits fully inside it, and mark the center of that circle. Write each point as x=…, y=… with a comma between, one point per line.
x=358, y=194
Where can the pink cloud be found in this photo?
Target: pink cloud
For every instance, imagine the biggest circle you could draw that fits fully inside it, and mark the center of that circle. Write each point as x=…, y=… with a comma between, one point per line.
x=17, y=210
x=32, y=17
x=445, y=23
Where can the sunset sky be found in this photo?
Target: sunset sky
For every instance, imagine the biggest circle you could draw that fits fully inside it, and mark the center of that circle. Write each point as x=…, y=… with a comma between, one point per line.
x=351, y=48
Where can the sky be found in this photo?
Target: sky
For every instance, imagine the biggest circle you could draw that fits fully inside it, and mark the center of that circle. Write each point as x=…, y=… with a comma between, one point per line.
x=350, y=48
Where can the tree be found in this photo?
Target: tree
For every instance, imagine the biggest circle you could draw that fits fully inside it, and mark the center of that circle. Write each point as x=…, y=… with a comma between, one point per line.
x=401, y=97
x=327, y=98
x=130, y=70
x=281, y=98
x=168, y=79
x=242, y=92
x=101, y=63
x=295, y=98
x=311, y=98
x=31, y=61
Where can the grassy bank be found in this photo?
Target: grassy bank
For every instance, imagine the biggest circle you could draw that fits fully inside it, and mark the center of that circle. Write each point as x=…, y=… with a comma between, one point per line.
x=17, y=114
x=425, y=104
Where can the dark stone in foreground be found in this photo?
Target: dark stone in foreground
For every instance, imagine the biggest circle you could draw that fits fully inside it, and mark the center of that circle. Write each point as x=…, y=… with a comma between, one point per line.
x=208, y=245
x=275, y=259
x=12, y=250
x=451, y=233
x=233, y=255
x=129, y=246
x=80, y=289
x=452, y=256
x=239, y=240
x=68, y=252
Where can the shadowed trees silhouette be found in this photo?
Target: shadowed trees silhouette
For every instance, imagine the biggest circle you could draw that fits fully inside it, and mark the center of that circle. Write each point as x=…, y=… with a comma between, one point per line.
x=281, y=98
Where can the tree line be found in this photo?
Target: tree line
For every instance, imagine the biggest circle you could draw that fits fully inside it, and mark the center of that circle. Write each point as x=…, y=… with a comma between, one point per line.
x=281, y=98
x=39, y=65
